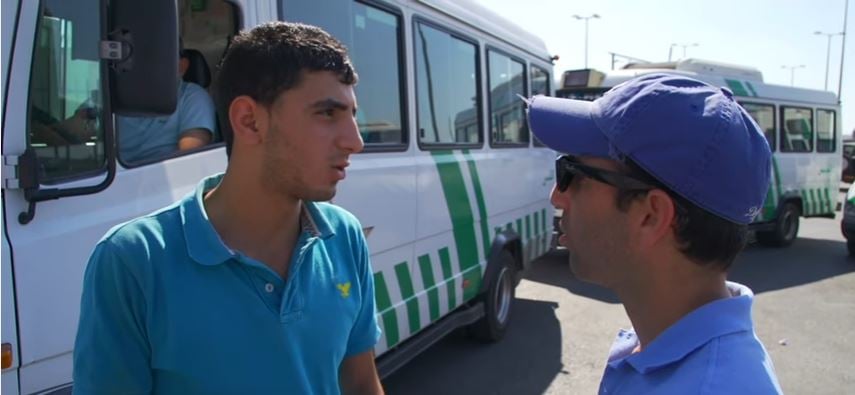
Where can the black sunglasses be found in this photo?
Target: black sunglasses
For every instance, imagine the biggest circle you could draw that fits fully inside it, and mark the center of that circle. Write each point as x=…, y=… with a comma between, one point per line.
x=566, y=167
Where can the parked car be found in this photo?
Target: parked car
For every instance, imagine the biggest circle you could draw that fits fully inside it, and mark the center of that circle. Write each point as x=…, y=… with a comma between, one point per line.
x=848, y=173
x=847, y=224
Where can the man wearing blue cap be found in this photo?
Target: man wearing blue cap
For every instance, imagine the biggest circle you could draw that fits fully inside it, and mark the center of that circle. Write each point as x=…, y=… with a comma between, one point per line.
x=662, y=176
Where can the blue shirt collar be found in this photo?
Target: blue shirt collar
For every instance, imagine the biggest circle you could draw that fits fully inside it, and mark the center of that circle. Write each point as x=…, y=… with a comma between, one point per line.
x=204, y=244
x=715, y=319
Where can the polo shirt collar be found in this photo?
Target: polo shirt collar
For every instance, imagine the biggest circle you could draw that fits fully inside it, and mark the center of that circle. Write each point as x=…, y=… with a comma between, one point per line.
x=715, y=319
x=204, y=244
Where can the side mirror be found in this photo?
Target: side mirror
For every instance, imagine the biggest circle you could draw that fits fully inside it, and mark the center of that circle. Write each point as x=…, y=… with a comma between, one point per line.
x=143, y=54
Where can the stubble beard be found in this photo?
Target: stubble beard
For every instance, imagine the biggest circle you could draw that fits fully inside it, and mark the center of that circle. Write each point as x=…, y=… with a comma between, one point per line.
x=281, y=176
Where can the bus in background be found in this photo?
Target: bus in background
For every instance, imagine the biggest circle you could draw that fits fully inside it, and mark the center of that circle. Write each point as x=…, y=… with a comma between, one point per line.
x=801, y=125
x=451, y=189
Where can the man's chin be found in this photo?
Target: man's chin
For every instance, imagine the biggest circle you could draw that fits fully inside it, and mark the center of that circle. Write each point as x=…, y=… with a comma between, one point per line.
x=320, y=195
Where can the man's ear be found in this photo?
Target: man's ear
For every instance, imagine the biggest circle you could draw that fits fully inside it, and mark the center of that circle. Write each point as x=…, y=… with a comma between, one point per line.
x=657, y=214
x=247, y=119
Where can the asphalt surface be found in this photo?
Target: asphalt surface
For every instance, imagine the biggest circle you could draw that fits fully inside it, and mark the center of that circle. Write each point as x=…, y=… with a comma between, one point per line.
x=562, y=328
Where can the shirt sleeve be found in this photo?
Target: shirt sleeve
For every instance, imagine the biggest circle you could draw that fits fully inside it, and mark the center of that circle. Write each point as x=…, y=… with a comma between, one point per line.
x=366, y=331
x=112, y=353
x=197, y=110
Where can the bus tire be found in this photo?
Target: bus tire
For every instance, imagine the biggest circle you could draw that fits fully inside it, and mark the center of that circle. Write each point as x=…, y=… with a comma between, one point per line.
x=498, y=302
x=786, y=228
x=850, y=245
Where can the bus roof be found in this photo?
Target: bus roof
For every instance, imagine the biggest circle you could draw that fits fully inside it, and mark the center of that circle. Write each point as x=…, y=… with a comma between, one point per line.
x=485, y=20
x=743, y=81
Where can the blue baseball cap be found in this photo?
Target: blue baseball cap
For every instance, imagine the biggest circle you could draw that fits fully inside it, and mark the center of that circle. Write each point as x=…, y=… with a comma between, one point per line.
x=692, y=137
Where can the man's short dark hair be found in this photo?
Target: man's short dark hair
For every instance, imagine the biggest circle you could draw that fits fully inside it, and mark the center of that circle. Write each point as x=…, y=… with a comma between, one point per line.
x=704, y=237
x=269, y=59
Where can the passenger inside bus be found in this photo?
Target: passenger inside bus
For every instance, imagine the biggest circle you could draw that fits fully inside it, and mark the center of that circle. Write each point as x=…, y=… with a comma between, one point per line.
x=192, y=125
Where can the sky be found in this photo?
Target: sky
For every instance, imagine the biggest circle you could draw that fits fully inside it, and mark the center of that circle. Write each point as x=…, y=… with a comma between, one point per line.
x=763, y=34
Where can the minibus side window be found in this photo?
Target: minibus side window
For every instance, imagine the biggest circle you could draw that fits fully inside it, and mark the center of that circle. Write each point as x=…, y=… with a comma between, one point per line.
x=764, y=115
x=826, y=132
x=65, y=125
x=539, y=82
x=507, y=80
x=796, y=129
x=373, y=34
x=447, y=88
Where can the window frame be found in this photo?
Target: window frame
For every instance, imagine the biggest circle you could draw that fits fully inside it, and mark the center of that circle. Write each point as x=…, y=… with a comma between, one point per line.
x=106, y=119
x=404, y=145
x=526, y=90
x=833, y=126
x=238, y=17
x=782, y=129
x=535, y=142
x=479, y=107
x=773, y=145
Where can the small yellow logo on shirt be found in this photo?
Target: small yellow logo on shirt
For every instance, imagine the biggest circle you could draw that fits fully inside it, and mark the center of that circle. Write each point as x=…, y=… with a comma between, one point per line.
x=344, y=288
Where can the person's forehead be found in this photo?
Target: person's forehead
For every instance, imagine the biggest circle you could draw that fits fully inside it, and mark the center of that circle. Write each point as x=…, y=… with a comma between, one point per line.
x=315, y=87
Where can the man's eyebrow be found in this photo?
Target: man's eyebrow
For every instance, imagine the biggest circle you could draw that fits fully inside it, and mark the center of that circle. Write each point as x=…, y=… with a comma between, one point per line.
x=330, y=103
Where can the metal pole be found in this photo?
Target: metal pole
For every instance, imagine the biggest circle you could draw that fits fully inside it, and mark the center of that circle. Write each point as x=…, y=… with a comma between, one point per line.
x=670, y=50
x=827, y=60
x=842, y=51
x=586, y=42
x=792, y=76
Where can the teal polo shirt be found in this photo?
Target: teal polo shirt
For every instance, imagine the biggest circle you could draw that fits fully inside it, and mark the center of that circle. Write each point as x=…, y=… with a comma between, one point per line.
x=168, y=308
x=712, y=350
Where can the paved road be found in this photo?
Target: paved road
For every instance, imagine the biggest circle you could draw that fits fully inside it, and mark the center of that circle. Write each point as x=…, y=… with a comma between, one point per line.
x=562, y=328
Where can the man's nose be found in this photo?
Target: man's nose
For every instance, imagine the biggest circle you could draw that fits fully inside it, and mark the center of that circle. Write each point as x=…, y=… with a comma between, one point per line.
x=350, y=139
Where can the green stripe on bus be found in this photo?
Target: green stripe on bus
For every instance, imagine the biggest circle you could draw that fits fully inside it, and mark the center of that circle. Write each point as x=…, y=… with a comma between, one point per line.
x=479, y=199
x=768, y=206
x=529, y=242
x=462, y=222
x=445, y=260
x=509, y=226
x=405, y=282
x=736, y=87
x=831, y=206
x=545, y=231
x=519, y=227
x=430, y=285
x=384, y=306
x=751, y=88
x=536, y=224
x=777, y=174
x=528, y=227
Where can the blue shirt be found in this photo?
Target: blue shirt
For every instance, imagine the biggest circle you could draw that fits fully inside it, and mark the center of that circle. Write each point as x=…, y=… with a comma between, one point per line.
x=712, y=350
x=145, y=138
x=168, y=308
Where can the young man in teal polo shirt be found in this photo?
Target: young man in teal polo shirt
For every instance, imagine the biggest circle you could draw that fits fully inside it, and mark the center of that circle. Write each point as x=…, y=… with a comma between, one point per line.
x=664, y=174
x=248, y=285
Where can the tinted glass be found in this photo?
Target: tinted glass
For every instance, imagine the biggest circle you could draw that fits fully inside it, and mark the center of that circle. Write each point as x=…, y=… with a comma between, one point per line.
x=447, y=88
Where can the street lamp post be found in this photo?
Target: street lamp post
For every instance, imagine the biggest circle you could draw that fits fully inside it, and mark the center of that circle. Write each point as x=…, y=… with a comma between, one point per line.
x=686, y=45
x=586, y=18
x=793, y=72
x=827, y=52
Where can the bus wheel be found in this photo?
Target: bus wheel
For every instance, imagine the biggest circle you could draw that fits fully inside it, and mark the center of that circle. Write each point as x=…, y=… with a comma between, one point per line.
x=786, y=228
x=498, y=302
x=850, y=245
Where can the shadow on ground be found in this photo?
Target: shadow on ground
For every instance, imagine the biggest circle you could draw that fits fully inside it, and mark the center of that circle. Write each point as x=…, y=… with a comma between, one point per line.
x=519, y=364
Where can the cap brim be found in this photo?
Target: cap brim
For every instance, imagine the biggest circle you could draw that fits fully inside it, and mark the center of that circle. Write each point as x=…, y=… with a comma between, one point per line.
x=567, y=126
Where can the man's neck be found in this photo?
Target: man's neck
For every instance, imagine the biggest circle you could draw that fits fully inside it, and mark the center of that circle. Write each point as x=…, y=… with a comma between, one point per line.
x=657, y=303
x=251, y=220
